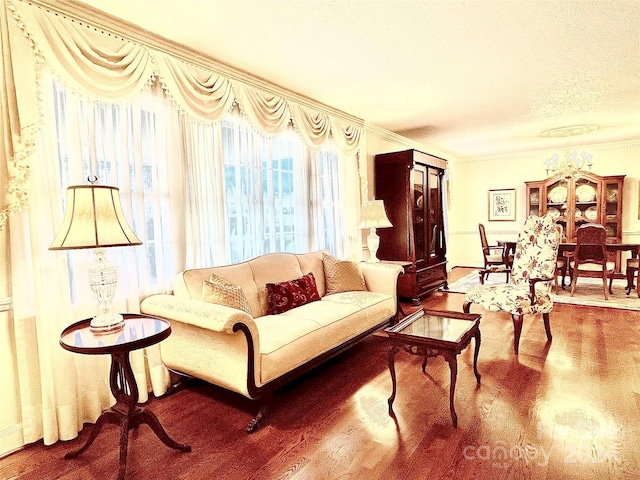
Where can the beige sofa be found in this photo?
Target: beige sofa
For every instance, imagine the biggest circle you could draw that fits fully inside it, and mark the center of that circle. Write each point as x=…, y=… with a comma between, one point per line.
x=253, y=354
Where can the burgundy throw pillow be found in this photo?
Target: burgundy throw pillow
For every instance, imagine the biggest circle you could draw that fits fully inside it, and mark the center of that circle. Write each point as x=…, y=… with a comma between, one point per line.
x=284, y=296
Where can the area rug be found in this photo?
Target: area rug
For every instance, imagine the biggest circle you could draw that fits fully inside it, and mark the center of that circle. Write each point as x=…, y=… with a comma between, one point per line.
x=588, y=292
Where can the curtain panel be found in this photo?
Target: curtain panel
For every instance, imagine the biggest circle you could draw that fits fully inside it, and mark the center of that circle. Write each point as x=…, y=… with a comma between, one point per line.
x=36, y=43
x=113, y=68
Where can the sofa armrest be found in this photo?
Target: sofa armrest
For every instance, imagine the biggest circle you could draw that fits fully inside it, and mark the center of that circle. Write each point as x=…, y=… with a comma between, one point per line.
x=201, y=314
x=381, y=277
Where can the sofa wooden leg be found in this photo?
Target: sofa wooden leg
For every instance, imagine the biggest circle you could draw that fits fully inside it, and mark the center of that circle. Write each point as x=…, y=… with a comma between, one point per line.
x=265, y=405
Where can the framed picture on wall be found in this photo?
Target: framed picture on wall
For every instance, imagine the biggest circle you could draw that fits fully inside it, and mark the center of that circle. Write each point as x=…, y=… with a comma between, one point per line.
x=502, y=205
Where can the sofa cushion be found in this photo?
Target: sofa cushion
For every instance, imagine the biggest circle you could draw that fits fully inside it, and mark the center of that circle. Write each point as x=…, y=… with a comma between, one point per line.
x=295, y=337
x=222, y=292
x=342, y=275
x=284, y=296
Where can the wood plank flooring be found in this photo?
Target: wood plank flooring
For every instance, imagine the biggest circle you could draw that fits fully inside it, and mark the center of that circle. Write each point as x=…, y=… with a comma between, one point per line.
x=564, y=410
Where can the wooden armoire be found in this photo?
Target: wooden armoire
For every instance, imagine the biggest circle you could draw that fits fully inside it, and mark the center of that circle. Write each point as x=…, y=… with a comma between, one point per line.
x=411, y=185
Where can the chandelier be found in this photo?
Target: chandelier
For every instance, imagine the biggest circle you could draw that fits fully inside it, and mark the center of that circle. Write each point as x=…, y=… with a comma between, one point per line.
x=572, y=165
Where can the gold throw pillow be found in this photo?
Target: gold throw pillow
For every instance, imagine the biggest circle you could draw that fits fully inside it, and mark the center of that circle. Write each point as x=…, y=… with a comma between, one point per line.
x=342, y=275
x=222, y=292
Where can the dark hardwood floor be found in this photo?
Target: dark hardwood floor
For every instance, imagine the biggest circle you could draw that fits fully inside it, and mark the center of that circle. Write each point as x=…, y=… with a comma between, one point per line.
x=564, y=410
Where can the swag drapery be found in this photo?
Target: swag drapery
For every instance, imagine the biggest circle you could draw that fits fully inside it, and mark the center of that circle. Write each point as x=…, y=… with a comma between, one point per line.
x=59, y=392
x=110, y=68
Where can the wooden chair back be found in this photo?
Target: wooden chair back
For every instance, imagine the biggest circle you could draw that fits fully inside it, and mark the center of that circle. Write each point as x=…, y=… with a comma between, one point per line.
x=483, y=239
x=591, y=244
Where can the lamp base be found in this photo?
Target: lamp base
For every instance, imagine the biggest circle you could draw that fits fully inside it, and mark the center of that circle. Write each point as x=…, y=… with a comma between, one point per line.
x=373, y=242
x=108, y=322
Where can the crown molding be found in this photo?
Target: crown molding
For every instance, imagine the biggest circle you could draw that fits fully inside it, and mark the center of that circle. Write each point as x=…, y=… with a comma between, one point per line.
x=390, y=136
x=535, y=154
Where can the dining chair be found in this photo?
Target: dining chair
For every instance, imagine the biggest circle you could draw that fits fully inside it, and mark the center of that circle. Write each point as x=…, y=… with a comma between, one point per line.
x=590, y=256
x=496, y=260
x=633, y=266
x=532, y=273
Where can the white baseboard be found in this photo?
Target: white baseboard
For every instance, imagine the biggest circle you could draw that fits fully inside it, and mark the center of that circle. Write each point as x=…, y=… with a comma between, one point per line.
x=11, y=439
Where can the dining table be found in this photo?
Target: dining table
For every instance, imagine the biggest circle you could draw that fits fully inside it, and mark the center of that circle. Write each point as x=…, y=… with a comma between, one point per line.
x=613, y=246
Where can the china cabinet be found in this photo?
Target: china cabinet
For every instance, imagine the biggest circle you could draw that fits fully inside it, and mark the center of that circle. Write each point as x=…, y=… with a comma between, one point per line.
x=574, y=201
x=586, y=198
x=410, y=183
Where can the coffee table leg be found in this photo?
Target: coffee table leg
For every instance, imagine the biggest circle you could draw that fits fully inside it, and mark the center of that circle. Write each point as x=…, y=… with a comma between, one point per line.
x=452, y=360
x=475, y=356
x=392, y=369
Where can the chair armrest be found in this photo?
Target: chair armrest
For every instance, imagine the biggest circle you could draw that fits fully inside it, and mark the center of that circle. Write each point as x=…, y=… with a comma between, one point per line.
x=532, y=286
x=198, y=313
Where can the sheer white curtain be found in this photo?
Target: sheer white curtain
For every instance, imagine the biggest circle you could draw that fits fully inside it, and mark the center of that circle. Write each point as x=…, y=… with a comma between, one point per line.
x=244, y=195
x=125, y=146
x=250, y=194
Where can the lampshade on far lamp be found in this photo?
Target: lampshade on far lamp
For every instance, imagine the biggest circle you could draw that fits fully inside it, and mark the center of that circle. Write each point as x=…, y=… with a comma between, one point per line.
x=373, y=216
x=94, y=219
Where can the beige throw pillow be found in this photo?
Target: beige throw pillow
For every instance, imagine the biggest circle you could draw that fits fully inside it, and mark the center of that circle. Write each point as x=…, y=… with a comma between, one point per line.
x=222, y=292
x=342, y=275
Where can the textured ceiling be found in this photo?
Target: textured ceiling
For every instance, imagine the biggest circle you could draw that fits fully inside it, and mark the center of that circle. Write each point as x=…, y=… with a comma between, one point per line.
x=472, y=78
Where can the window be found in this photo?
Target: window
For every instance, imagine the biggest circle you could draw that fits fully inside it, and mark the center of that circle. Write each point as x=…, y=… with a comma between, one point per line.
x=118, y=145
x=247, y=194
x=276, y=191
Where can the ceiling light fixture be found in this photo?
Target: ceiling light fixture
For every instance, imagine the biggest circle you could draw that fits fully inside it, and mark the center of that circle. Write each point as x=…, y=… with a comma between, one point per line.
x=572, y=165
x=569, y=131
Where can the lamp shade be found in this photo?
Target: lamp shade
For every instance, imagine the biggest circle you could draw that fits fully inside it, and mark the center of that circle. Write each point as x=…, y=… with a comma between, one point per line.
x=93, y=218
x=374, y=215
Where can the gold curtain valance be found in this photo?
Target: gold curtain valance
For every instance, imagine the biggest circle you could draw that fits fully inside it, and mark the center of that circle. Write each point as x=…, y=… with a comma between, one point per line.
x=113, y=68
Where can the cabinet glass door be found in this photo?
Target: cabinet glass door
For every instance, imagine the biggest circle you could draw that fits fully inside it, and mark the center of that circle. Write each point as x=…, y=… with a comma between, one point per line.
x=534, y=201
x=434, y=208
x=556, y=202
x=586, y=202
x=418, y=180
x=612, y=207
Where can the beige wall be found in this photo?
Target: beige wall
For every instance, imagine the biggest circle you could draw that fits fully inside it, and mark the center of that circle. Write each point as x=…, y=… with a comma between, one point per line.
x=471, y=179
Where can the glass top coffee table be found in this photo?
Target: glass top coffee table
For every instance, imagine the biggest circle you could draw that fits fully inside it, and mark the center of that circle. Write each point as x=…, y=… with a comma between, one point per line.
x=429, y=333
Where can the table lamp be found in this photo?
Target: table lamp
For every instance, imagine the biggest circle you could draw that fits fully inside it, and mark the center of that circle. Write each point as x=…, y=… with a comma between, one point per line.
x=373, y=216
x=94, y=219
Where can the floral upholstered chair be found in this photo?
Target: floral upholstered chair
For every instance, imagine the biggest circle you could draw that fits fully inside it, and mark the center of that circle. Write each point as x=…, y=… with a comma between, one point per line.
x=533, y=271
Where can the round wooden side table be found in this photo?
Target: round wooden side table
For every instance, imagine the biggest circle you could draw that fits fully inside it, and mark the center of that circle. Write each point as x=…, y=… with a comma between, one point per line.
x=139, y=331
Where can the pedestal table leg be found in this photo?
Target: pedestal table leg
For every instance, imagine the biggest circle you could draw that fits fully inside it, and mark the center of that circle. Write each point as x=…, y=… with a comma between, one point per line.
x=126, y=413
